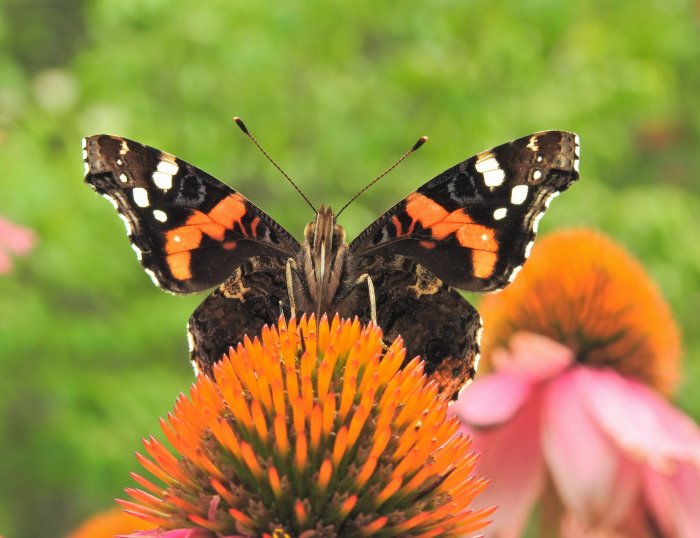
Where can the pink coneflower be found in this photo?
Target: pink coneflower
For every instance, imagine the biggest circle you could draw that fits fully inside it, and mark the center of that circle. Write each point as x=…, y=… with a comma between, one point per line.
x=14, y=239
x=582, y=347
x=313, y=430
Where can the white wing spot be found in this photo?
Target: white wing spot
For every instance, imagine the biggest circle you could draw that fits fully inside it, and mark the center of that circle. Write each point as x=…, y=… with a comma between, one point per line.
x=536, y=221
x=136, y=249
x=162, y=180
x=528, y=249
x=487, y=165
x=111, y=200
x=176, y=238
x=124, y=149
x=84, y=143
x=532, y=144
x=190, y=343
x=551, y=197
x=140, y=197
x=126, y=222
x=537, y=174
x=500, y=213
x=518, y=194
x=119, y=162
x=160, y=215
x=86, y=166
x=539, y=158
x=84, y=154
x=514, y=273
x=153, y=276
x=484, y=237
x=167, y=167
x=123, y=178
x=494, y=178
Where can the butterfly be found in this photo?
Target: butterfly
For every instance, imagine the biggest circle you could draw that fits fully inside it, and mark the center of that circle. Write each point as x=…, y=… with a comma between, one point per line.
x=470, y=228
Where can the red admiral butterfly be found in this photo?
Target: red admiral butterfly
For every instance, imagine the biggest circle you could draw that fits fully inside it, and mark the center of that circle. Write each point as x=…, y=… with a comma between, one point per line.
x=471, y=228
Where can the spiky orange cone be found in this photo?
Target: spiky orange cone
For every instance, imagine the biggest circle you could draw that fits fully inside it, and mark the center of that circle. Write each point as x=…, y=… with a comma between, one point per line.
x=312, y=430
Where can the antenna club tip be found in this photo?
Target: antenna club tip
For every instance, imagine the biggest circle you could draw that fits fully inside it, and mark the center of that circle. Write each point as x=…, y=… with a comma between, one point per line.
x=422, y=140
x=241, y=125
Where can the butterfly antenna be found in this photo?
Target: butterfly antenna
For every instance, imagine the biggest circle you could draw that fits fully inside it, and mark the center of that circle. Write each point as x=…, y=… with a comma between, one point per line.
x=422, y=140
x=245, y=130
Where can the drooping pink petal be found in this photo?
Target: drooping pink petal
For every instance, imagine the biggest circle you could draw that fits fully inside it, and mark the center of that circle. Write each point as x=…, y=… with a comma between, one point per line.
x=13, y=239
x=640, y=421
x=674, y=500
x=492, y=399
x=176, y=533
x=533, y=356
x=571, y=527
x=510, y=457
x=591, y=477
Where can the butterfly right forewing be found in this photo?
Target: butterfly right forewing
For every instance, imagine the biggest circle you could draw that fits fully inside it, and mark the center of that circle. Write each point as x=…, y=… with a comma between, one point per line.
x=474, y=224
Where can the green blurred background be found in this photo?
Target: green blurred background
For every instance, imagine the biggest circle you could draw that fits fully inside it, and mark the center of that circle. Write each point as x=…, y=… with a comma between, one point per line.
x=92, y=353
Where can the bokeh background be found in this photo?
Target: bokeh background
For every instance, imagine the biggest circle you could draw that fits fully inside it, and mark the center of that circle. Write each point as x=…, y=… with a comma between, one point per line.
x=91, y=353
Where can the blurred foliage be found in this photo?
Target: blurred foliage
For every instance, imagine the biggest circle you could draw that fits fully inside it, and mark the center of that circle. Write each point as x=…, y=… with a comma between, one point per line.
x=91, y=353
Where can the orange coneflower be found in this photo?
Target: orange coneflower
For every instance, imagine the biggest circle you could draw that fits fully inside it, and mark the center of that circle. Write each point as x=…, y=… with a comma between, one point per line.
x=582, y=290
x=312, y=430
x=581, y=345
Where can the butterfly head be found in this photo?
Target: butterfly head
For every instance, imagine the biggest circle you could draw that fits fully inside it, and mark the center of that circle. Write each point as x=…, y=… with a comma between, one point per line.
x=324, y=258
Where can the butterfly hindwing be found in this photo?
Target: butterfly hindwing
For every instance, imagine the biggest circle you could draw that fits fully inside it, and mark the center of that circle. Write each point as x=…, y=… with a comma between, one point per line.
x=473, y=225
x=253, y=296
x=435, y=321
x=188, y=229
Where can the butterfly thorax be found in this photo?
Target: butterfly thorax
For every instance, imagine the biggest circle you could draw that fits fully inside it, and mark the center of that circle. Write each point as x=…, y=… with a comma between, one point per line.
x=324, y=268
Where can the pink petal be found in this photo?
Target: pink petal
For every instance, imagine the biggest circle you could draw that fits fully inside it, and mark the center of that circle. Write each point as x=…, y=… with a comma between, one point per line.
x=5, y=263
x=491, y=400
x=177, y=533
x=593, y=480
x=533, y=356
x=14, y=238
x=510, y=458
x=674, y=500
x=640, y=421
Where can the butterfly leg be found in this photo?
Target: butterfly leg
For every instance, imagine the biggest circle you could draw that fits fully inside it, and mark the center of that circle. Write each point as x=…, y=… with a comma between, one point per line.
x=291, y=266
x=370, y=290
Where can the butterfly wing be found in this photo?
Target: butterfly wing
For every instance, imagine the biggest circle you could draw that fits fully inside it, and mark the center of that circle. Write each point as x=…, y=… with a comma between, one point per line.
x=435, y=321
x=473, y=225
x=253, y=296
x=189, y=230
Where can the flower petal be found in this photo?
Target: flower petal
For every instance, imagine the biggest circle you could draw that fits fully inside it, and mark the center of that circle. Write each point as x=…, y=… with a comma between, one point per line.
x=515, y=476
x=533, y=356
x=592, y=479
x=492, y=400
x=673, y=500
x=640, y=421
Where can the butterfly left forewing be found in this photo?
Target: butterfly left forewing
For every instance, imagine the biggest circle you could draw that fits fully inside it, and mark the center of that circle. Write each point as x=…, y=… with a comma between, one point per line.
x=189, y=230
x=473, y=225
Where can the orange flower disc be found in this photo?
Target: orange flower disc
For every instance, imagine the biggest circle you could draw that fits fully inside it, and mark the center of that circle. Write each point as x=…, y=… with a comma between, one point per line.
x=312, y=428
x=581, y=289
